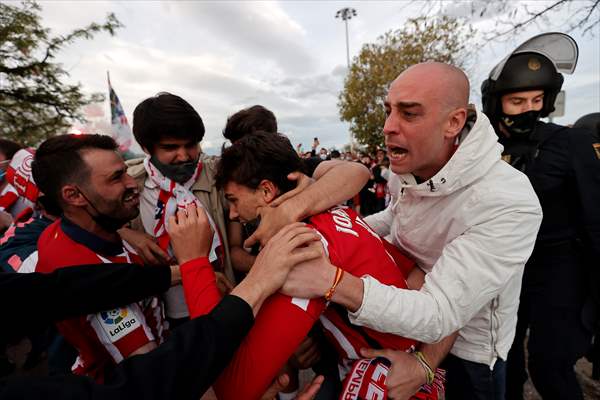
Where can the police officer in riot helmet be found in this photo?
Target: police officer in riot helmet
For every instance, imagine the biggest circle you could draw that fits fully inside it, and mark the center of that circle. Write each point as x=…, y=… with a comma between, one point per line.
x=563, y=165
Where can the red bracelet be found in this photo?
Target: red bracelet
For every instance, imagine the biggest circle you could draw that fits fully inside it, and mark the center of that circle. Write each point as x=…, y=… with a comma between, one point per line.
x=339, y=273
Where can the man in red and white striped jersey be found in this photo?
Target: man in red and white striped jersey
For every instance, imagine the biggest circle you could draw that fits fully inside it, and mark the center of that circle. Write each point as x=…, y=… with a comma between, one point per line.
x=253, y=173
x=86, y=176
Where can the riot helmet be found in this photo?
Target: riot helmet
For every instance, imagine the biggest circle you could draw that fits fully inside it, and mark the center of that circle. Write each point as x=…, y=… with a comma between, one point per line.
x=534, y=65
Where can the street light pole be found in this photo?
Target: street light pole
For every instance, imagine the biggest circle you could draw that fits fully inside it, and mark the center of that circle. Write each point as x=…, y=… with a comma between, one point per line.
x=345, y=14
x=347, y=46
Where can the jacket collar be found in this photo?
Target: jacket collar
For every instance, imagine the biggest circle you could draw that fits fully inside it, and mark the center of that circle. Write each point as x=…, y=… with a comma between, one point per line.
x=477, y=152
x=89, y=240
x=206, y=180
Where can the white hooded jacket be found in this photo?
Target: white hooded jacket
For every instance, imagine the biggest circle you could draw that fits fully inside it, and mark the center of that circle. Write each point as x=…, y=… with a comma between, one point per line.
x=471, y=228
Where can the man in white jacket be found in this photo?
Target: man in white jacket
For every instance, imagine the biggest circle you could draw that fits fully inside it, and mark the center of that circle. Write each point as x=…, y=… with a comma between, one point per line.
x=467, y=218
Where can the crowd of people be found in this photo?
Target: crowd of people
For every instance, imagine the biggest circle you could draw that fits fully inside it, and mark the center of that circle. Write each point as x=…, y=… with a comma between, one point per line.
x=417, y=272
x=374, y=195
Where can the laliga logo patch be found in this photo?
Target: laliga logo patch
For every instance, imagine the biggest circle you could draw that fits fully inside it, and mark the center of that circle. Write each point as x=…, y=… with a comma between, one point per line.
x=114, y=316
x=118, y=323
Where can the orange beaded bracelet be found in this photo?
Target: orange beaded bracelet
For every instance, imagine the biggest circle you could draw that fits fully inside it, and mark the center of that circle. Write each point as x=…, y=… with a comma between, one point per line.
x=339, y=273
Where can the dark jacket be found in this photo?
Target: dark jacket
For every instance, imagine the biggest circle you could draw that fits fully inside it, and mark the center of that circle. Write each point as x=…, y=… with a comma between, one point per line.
x=30, y=302
x=181, y=368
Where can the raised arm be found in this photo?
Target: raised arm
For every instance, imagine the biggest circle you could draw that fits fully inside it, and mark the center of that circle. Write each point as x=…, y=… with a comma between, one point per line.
x=336, y=181
x=472, y=270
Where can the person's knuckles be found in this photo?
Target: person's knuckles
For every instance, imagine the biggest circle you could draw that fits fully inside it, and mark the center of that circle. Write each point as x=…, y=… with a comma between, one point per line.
x=299, y=233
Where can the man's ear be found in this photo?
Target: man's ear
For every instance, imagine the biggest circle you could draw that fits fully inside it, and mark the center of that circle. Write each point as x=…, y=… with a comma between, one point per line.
x=71, y=195
x=456, y=122
x=268, y=190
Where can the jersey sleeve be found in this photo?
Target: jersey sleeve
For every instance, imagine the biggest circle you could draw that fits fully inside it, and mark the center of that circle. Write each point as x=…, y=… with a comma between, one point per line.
x=199, y=286
x=280, y=326
x=121, y=330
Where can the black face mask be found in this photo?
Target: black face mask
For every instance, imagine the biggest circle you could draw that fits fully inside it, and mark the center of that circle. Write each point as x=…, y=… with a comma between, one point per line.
x=520, y=125
x=180, y=173
x=106, y=222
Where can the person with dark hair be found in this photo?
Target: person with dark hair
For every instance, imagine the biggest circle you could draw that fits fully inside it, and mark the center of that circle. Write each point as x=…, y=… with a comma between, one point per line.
x=7, y=149
x=166, y=115
x=191, y=359
x=7, y=196
x=323, y=154
x=249, y=120
x=563, y=165
x=253, y=173
x=258, y=118
x=239, y=125
x=259, y=157
x=379, y=181
x=366, y=196
x=86, y=176
x=176, y=173
x=466, y=217
x=335, y=155
x=18, y=245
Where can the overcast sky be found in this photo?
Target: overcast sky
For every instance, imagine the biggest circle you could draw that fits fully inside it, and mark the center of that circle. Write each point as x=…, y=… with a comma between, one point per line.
x=288, y=56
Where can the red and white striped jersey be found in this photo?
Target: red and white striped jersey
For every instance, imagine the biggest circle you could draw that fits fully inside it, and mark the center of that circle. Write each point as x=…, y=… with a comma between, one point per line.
x=283, y=322
x=106, y=338
x=352, y=245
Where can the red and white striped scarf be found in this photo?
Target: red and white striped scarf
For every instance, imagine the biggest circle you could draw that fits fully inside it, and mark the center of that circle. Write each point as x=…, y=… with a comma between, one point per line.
x=174, y=196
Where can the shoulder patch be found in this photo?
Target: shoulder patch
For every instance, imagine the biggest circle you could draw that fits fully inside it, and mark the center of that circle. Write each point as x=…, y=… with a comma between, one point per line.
x=596, y=147
x=117, y=323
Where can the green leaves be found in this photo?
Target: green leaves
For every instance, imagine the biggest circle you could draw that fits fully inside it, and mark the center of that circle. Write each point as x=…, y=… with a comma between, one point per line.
x=441, y=39
x=34, y=102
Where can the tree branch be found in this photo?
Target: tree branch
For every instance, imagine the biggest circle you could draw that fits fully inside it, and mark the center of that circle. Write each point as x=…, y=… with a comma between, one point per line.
x=533, y=17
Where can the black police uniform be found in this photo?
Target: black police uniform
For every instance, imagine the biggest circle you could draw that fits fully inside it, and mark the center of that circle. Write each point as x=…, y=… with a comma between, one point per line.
x=563, y=165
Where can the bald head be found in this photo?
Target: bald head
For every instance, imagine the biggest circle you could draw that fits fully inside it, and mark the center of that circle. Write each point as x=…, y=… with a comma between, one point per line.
x=449, y=83
x=426, y=109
